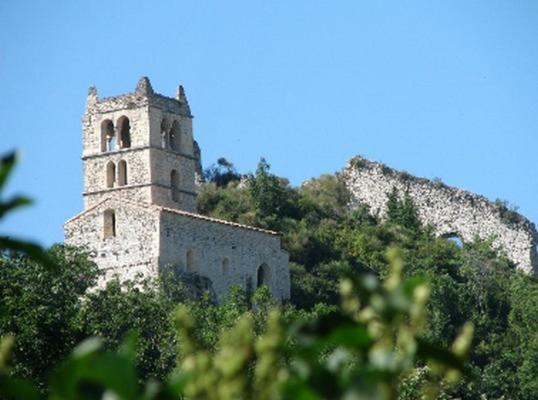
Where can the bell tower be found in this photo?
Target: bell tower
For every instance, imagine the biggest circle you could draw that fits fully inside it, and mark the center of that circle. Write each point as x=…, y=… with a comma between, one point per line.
x=139, y=146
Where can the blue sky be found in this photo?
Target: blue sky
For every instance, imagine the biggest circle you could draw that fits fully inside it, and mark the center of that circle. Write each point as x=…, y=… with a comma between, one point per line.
x=440, y=89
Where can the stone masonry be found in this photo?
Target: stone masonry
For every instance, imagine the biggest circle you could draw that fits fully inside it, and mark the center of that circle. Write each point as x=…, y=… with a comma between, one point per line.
x=140, y=167
x=450, y=211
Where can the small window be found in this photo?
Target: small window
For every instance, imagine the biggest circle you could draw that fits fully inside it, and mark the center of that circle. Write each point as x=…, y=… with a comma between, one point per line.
x=109, y=224
x=125, y=132
x=191, y=266
x=263, y=275
x=107, y=135
x=110, y=174
x=225, y=265
x=122, y=173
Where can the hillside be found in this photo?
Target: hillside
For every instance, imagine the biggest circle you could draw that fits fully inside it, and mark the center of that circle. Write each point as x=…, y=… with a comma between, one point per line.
x=49, y=310
x=326, y=237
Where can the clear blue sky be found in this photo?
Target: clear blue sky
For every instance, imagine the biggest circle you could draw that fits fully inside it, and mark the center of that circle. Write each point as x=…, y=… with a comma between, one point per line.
x=443, y=89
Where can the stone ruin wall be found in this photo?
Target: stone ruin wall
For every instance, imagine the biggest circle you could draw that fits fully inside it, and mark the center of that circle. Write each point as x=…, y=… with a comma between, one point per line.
x=450, y=211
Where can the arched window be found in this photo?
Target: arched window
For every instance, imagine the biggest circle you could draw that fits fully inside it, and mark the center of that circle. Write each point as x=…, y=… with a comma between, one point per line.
x=225, y=265
x=107, y=135
x=124, y=128
x=191, y=265
x=164, y=134
x=175, y=137
x=109, y=223
x=122, y=173
x=263, y=275
x=110, y=174
x=174, y=185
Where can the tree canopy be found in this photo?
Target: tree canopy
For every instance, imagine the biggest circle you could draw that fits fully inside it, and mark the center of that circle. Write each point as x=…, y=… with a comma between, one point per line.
x=379, y=308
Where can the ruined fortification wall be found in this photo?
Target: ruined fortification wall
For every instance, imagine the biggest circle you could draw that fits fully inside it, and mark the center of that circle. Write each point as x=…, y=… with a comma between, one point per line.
x=451, y=211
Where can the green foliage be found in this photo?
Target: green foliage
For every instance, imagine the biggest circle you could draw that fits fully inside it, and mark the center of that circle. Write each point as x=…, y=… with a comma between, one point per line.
x=360, y=351
x=7, y=163
x=385, y=340
x=324, y=197
x=272, y=197
x=231, y=203
x=438, y=182
x=135, y=309
x=222, y=173
x=522, y=333
x=326, y=239
x=508, y=212
x=41, y=307
x=402, y=211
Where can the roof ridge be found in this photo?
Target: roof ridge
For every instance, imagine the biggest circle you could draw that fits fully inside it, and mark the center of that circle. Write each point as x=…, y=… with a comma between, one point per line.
x=217, y=220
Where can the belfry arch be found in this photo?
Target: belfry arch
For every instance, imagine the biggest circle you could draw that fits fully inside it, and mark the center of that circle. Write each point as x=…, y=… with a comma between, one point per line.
x=124, y=128
x=107, y=134
x=175, y=137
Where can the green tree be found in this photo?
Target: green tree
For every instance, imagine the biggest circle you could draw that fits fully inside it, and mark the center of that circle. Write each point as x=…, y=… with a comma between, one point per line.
x=402, y=211
x=41, y=307
x=133, y=308
x=7, y=243
x=271, y=196
x=222, y=173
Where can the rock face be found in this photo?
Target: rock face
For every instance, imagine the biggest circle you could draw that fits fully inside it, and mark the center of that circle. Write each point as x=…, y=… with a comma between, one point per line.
x=450, y=211
x=140, y=162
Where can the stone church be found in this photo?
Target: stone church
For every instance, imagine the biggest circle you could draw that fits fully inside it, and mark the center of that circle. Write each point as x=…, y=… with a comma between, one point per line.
x=140, y=162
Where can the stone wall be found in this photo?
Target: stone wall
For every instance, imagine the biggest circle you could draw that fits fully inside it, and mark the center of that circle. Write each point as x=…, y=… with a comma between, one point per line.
x=149, y=237
x=226, y=253
x=134, y=248
x=162, y=163
x=150, y=158
x=451, y=211
x=93, y=120
x=95, y=172
x=139, y=194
